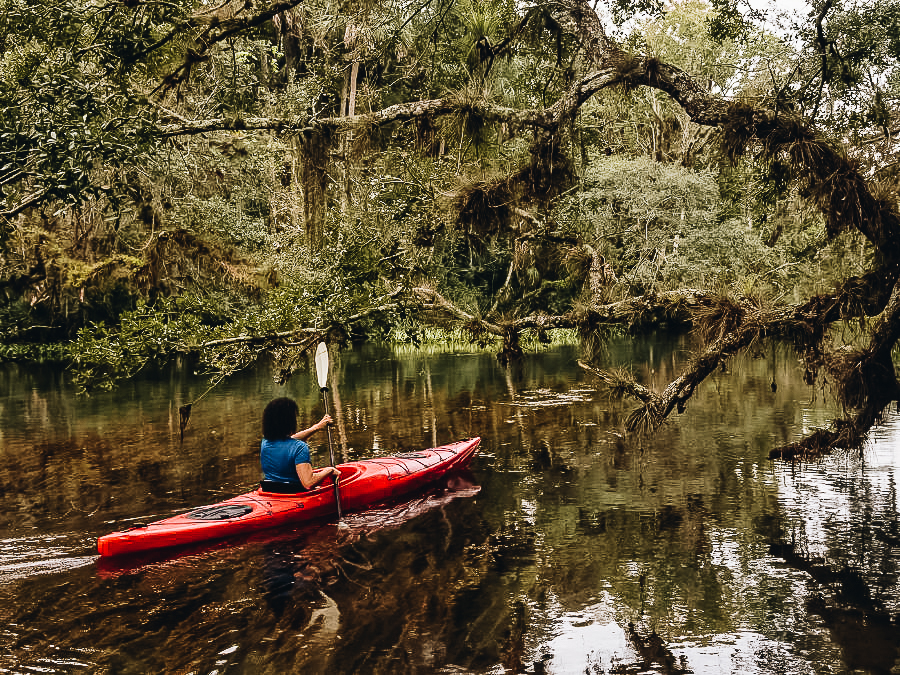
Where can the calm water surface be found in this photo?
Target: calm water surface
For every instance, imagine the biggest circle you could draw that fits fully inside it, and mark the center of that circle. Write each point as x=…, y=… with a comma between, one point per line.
x=567, y=549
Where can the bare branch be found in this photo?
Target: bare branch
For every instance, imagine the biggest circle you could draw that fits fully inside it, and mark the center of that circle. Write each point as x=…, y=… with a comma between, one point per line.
x=431, y=300
x=33, y=200
x=273, y=337
x=395, y=113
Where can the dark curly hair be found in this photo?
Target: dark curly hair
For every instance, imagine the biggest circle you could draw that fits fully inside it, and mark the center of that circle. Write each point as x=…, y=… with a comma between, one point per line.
x=280, y=419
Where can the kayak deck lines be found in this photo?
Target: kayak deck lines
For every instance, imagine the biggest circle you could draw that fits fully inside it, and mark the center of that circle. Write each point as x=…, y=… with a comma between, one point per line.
x=391, y=465
x=411, y=456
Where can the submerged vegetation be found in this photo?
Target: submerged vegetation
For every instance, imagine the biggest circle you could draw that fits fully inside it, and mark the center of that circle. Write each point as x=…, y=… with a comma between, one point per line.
x=247, y=178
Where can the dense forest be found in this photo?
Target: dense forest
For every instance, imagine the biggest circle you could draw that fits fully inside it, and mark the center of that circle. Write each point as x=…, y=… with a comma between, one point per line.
x=228, y=180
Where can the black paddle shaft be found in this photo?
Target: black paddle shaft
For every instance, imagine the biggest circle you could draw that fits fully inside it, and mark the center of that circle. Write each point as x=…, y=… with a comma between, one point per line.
x=337, y=494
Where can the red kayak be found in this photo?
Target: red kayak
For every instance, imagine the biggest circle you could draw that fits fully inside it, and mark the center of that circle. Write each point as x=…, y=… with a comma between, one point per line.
x=362, y=484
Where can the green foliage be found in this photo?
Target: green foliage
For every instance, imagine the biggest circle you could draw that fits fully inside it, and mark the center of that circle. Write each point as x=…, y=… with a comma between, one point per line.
x=836, y=63
x=637, y=206
x=659, y=227
x=624, y=10
x=227, y=191
x=145, y=244
x=729, y=65
x=646, y=121
x=728, y=21
x=68, y=107
x=413, y=336
x=102, y=355
x=35, y=352
x=860, y=52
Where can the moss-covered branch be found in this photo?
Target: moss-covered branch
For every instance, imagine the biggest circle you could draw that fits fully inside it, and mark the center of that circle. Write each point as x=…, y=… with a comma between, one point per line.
x=866, y=378
x=866, y=382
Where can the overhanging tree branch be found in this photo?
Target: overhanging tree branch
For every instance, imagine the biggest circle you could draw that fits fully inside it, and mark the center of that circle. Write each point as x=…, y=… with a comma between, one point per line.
x=400, y=112
x=833, y=183
x=258, y=339
x=217, y=29
x=866, y=381
x=746, y=323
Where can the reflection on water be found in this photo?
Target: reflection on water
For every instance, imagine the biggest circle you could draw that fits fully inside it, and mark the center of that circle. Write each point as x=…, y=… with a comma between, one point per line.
x=570, y=549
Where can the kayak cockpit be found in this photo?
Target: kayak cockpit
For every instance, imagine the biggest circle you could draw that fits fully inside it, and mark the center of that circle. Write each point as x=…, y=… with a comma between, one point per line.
x=276, y=490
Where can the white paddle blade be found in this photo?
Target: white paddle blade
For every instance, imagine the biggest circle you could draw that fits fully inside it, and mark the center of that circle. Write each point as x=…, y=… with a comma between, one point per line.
x=322, y=365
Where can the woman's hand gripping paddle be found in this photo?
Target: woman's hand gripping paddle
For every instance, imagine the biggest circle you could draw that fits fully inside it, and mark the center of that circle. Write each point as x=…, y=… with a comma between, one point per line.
x=322, y=375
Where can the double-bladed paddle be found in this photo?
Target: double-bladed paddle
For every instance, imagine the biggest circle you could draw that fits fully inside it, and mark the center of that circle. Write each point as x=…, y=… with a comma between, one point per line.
x=322, y=375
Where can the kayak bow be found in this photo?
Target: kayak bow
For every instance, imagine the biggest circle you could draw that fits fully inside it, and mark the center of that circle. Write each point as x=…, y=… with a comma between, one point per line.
x=363, y=483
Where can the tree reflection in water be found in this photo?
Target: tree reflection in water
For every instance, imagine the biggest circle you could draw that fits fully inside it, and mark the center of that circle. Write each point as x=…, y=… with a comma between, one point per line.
x=571, y=548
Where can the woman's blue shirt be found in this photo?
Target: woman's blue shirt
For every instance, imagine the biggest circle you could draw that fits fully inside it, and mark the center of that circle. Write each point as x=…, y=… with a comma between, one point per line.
x=280, y=458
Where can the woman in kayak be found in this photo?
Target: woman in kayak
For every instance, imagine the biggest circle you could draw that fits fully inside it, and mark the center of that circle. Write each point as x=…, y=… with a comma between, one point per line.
x=284, y=454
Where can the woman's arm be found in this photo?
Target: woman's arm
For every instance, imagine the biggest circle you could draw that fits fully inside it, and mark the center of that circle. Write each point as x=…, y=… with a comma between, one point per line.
x=318, y=426
x=311, y=477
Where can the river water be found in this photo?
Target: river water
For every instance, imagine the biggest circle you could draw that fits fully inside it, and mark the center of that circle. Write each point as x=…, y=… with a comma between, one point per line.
x=568, y=548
